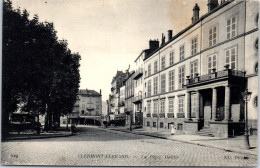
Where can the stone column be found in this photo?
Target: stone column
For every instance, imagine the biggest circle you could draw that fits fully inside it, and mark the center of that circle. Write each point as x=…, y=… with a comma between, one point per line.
x=198, y=105
x=214, y=104
x=189, y=105
x=227, y=103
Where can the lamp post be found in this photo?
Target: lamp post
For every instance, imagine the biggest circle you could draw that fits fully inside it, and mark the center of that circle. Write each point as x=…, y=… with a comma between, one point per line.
x=246, y=96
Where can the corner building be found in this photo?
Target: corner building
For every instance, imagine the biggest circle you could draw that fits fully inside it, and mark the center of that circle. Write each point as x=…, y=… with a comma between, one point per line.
x=196, y=78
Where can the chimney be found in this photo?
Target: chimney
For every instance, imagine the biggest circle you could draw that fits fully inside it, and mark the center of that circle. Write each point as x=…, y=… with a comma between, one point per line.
x=169, y=35
x=100, y=92
x=212, y=4
x=153, y=44
x=196, y=13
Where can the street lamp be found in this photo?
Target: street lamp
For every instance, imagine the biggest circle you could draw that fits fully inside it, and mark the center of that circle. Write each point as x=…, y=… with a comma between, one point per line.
x=246, y=96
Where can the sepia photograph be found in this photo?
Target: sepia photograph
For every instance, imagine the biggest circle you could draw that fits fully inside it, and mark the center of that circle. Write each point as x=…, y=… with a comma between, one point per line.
x=129, y=83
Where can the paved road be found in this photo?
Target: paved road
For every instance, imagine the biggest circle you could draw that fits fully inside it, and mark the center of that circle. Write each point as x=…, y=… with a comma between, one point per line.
x=99, y=147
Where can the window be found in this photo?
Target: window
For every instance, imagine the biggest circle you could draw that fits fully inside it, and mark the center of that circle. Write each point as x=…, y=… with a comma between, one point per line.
x=163, y=62
x=181, y=104
x=181, y=76
x=171, y=80
x=181, y=52
x=193, y=68
x=213, y=36
x=231, y=57
x=171, y=58
x=256, y=101
x=149, y=88
x=163, y=83
x=148, y=124
x=162, y=108
x=231, y=27
x=149, y=69
x=161, y=124
x=256, y=44
x=193, y=103
x=154, y=124
x=171, y=102
x=155, y=108
x=155, y=85
x=256, y=68
x=194, y=46
x=212, y=63
x=148, y=107
x=155, y=66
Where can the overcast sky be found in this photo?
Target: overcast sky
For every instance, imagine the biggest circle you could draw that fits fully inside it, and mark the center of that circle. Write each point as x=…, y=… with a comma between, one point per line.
x=110, y=34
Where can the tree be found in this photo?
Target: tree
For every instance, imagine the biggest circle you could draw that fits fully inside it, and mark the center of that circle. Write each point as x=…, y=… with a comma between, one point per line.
x=39, y=71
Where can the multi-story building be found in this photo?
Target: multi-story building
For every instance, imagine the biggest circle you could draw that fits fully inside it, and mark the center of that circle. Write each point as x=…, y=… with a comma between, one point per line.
x=114, y=98
x=194, y=80
x=138, y=78
x=88, y=108
x=129, y=98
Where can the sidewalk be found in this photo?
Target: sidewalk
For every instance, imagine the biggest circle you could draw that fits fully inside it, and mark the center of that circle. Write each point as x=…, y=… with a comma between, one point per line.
x=235, y=144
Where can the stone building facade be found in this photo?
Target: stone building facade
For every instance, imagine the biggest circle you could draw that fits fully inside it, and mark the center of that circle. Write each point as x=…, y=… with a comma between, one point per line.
x=194, y=80
x=88, y=108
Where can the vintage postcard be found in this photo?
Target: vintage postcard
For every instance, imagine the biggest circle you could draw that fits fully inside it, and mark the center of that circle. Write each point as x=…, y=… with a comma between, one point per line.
x=130, y=83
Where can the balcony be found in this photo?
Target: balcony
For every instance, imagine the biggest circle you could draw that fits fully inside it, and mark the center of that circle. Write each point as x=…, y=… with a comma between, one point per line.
x=138, y=73
x=155, y=115
x=215, y=76
x=170, y=115
x=180, y=115
x=162, y=115
x=138, y=99
x=148, y=115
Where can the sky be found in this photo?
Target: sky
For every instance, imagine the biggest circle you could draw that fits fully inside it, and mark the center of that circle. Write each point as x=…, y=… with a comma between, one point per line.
x=110, y=34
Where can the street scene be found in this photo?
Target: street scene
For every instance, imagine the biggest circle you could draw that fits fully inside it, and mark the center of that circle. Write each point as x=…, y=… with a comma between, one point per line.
x=130, y=83
x=95, y=146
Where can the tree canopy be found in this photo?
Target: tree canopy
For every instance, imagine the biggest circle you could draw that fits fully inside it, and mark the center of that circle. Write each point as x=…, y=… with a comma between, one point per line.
x=40, y=73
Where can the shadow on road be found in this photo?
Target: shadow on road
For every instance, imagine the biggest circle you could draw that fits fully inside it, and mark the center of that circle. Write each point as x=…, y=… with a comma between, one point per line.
x=92, y=134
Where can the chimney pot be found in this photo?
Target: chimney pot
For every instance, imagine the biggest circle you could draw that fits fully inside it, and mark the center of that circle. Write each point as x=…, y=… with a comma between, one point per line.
x=169, y=35
x=196, y=13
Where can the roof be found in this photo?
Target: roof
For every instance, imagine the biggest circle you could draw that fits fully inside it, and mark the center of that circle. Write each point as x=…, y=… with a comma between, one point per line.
x=90, y=93
x=189, y=27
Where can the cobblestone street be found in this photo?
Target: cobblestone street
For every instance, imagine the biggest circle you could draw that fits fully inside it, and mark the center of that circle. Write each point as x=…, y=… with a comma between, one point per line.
x=100, y=147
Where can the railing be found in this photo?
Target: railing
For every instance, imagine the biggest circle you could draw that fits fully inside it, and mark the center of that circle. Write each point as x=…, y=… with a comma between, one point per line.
x=138, y=73
x=155, y=115
x=180, y=115
x=215, y=75
x=162, y=115
x=148, y=115
x=170, y=115
x=138, y=98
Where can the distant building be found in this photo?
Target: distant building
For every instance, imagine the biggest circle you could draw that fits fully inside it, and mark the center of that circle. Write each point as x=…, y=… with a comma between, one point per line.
x=129, y=98
x=138, y=78
x=116, y=105
x=87, y=109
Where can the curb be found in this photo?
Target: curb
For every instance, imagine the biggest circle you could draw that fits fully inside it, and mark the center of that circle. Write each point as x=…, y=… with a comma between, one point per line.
x=42, y=137
x=194, y=143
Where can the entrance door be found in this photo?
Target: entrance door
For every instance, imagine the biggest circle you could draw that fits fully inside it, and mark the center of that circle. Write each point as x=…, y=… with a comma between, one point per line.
x=207, y=115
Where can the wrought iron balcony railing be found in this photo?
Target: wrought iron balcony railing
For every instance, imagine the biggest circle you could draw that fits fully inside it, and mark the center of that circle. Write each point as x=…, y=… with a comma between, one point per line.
x=214, y=75
x=138, y=73
x=138, y=99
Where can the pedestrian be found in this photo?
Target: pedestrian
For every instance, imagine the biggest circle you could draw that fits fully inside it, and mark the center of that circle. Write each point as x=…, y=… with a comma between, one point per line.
x=172, y=130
